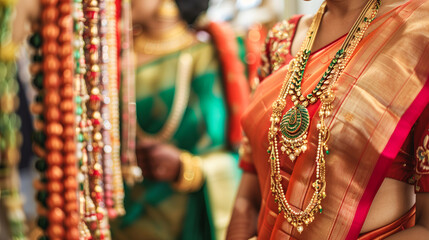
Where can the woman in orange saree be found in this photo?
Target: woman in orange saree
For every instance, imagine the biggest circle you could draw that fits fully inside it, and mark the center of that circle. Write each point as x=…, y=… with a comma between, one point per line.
x=378, y=142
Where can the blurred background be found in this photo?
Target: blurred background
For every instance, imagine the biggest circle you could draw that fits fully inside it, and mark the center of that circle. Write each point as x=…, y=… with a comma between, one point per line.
x=243, y=13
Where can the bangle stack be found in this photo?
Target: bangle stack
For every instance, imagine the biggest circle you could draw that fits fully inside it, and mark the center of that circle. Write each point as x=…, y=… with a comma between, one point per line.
x=191, y=174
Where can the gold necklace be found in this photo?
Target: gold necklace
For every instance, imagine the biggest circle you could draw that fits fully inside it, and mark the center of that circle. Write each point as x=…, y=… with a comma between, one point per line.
x=180, y=101
x=291, y=129
x=176, y=39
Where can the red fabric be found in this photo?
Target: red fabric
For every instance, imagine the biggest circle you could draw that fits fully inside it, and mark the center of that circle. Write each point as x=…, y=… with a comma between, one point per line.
x=405, y=222
x=410, y=165
x=247, y=167
x=421, y=155
x=267, y=60
x=235, y=82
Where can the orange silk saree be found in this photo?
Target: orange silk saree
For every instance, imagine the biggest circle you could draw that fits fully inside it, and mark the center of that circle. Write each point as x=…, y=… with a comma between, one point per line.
x=379, y=97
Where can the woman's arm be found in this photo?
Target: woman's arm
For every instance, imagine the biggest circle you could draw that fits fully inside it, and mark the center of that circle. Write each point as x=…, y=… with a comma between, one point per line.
x=244, y=218
x=421, y=229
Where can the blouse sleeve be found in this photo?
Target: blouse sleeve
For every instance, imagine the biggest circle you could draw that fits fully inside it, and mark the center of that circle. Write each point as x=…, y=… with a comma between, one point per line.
x=265, y=69
x=276, y=52
x=421, y=176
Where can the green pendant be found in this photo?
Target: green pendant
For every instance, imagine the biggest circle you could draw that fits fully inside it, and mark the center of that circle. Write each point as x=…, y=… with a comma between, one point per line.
x=295, y=122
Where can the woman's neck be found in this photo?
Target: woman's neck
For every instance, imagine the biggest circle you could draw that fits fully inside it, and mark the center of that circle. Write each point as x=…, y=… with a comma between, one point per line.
x=341, y=8
x=159, y=29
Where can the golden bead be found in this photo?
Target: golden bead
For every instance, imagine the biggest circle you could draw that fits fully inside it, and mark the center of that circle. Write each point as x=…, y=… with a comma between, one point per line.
x=94, y=57
x=95, y=41
x=96, y=115
x=93, y=3
x=97, y=166
x=95, y=68
x=97, y=136
x=93, y=30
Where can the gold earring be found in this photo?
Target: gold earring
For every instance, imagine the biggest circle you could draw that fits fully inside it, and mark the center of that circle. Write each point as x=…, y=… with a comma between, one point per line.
x=168, y=10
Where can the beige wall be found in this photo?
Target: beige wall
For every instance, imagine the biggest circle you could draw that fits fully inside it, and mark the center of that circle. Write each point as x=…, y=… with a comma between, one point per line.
x=301, y=7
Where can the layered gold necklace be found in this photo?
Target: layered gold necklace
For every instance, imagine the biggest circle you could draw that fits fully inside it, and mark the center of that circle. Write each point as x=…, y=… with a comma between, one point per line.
x=174, y=40
x=180, y=101
x=290, y=130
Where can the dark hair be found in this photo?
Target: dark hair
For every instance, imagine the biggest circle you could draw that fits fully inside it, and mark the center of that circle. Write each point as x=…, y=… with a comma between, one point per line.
x=191, y=9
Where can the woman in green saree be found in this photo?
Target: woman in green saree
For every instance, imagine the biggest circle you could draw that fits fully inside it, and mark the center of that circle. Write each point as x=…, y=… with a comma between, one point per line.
x=184, y=145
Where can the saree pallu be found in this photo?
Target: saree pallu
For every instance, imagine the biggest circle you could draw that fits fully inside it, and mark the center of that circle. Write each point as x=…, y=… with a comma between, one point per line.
x=379, y=97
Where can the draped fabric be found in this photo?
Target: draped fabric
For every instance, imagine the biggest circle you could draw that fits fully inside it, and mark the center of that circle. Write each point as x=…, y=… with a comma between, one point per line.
x=379, y=97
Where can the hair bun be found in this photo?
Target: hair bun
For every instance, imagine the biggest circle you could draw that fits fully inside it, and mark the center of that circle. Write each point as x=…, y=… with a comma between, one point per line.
x=191, y=9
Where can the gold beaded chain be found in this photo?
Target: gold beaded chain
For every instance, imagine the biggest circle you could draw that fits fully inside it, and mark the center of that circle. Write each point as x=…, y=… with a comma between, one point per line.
x=180, y=101
x=291, y=130
x=118, y=189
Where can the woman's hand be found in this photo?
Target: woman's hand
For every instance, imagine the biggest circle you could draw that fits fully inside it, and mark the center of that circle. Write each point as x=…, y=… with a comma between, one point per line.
x=158, y=161
x=243, y=224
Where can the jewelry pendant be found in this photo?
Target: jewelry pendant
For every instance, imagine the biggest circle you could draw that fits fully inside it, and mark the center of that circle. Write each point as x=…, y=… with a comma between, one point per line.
x=294, y=127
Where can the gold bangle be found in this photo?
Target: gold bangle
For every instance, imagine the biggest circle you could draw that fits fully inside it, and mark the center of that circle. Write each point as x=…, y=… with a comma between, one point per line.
x=191, y=174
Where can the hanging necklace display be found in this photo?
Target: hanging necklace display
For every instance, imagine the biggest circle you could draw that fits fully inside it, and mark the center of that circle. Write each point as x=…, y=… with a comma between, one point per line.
x=10, y=197
x=51, y=197
x=83, y=128
x=290, y=130
x=68, y=108
x=105, y=110
x=74, y=140
x=130, y=170
x=112, y=71
x=55, y=126
x=99, y=225
x=39, y=136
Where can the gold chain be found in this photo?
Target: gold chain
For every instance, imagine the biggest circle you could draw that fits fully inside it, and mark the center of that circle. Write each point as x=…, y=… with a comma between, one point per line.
x=326, y=95
x=180, y=101
x=178, y=38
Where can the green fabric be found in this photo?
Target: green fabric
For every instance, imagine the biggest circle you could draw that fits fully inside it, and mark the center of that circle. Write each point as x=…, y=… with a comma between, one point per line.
x=154, y=210
x=204, y=122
